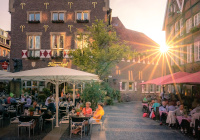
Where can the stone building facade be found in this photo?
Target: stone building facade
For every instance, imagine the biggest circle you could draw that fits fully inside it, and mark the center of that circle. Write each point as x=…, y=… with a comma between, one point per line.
x=182, y=27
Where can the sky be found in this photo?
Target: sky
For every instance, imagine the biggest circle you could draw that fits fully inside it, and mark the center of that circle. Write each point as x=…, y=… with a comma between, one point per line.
x=145, y=16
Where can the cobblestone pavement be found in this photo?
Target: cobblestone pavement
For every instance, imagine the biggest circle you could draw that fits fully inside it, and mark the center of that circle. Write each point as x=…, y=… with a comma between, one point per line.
x=125, y=122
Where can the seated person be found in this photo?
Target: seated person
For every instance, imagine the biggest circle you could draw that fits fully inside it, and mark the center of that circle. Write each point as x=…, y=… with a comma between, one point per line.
x=23, y=98
x=151, y=103
x=181, y=112
x=63, y=103
x=156, y=104
x=50, y=110
x=171, y=107
x=177, y=104
x=4, y=99
x=195, y=110
x=2, y=109
x=29, y=101
x=87, y=110
x=148, y=98
x=69, y=102
x=97, y=116
x=46, y=102
x=13, y=100
x=163, y=116
x=77, y=105
x=8, y=99
x=145, y=100
x=36, y=107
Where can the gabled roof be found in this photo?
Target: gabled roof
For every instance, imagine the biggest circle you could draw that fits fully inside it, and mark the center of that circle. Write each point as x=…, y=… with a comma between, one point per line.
x=138, y=40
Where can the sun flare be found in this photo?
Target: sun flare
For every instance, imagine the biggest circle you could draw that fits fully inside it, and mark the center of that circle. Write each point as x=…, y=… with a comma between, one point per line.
x=164, y=48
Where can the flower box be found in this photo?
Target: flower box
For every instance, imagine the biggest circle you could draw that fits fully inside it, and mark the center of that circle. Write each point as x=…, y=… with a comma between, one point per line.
x=82, y=21
x=57, y=57
x=57, y=21
x=34, y=21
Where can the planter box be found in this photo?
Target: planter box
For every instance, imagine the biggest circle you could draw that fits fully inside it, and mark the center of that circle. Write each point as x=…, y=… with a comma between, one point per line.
x=57, y=57
x=35, y=21
x=57, y=21
x=82, y=21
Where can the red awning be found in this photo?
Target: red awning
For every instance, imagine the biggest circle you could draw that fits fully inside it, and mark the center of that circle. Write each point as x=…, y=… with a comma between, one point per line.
x=166, y=79
x=192, y=78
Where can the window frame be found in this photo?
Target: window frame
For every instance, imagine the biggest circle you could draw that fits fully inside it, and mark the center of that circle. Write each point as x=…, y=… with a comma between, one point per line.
x=64, y=12
x=82, y=40
x=151, y=88
x=181, y=27
x=125, y=86
x=82, y=16
x=197, y=17
x=188, y=25
x=158, y=88
x=182, y=56
x=176, y=27
x=57, y=49
x=132, y=89
x=34, y=12
x=189, y=54
x=197, y=51
x=4, y=53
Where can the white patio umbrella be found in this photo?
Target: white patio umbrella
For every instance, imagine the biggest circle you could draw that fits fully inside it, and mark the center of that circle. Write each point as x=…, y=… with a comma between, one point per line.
x=55, y=75
x=2, y=72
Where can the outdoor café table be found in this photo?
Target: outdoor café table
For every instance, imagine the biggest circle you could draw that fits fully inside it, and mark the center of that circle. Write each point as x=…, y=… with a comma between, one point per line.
x=21, y=106
x=43, y=109
x=26, y=118
x=180, y=118
x=78, y=119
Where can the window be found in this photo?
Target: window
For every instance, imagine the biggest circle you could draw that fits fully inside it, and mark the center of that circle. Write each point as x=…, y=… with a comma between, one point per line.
x=34, y=46
x=176, y=27
x=197, y=19
x=123, y=88
x=172, y=60
x=57, y=45
x=58, y=16
x=4, y=53
x=34, y=16
x=157, y=88
x=181, y=27
x=8, y=54
x=188, y=25
x=82, y=16
x=28, y=83
x=181, y=56
x=189, y=53
x=197, y=51
x=130, y=86
x=176, y=57
x=151, y=88
x=81, y=41
x=171, y=31
x=130, y=75
x=146, y=88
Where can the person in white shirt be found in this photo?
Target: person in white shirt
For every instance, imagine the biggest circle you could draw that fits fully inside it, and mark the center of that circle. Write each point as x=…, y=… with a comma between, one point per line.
x=23, y=98
x=46, y=103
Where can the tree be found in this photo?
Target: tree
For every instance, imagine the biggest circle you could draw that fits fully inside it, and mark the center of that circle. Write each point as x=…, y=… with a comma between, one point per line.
x=104, y=50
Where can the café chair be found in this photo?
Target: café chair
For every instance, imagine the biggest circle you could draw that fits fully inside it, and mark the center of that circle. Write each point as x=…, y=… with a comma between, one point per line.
x=27, y=125
x=100, y=122
x=64, y=120
x=51, y=120
x=74, y=125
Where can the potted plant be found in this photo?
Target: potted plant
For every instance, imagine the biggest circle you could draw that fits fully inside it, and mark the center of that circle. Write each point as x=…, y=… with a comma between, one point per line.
x=31, y=110
x=78, y=112
x=81, y=107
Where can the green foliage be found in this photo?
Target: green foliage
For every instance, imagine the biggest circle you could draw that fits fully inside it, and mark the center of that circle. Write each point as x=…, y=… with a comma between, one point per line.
x=103, y=51
x=93, y=93
x=194, y=29
x=108, y=100
x=78, y=110
x=47, y=92
x=42, y=97
x=31, y=109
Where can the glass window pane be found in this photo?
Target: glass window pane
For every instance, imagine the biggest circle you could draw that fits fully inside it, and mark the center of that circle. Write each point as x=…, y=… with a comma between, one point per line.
x=34, y=83
x=55, y=16
x=41, y=83
x=28, y=83
x=54, y=41
x=37, y=53
x=61, y=41
x=31, y=53
x=85, y=16
x=61, y=16
x=37, y=42
x=31, y=42
x=37, y=16
x=54, y=53
x=60, y=53
x=31, y=17
x=79, y=16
